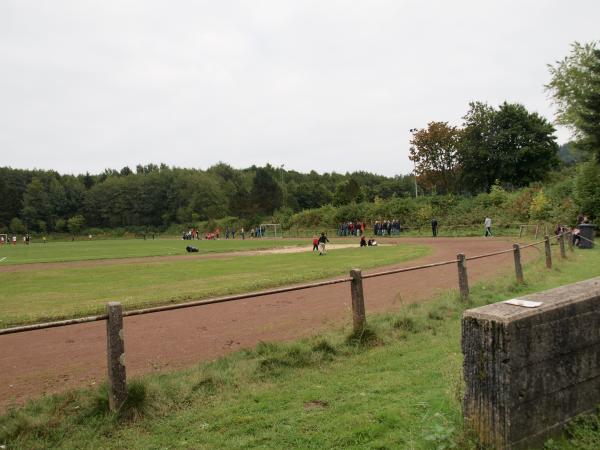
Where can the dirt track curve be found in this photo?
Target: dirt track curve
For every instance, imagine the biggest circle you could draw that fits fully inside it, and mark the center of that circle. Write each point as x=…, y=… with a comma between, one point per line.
x=58, y=359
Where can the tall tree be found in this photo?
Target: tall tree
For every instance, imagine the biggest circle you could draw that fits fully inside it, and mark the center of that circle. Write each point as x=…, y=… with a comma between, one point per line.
x=508, y=144
x=266, y=194
x=347, y=191
x=575, y=89
x=35, y=203
x=434, y=151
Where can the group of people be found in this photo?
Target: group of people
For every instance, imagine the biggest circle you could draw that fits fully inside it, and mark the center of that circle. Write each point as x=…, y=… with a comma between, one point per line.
x=230, y=233
x=575, y=231
x=190, y=235
x=319, y=244
x=355, y=228
x=380, y=228
x=367, y=243
x=6, y=240
x=387, y=227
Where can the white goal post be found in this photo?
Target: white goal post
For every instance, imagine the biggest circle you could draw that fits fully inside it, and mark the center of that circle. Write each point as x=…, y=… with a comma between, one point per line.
x=527, y=229
x=272, y=230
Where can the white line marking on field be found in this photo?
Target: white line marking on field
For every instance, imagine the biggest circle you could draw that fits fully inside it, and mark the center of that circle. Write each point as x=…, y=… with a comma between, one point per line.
x=3, y=258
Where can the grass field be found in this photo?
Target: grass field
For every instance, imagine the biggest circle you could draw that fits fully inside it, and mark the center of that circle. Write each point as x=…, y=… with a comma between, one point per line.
x=129, y=248
x=399, y=386
x=61, y=292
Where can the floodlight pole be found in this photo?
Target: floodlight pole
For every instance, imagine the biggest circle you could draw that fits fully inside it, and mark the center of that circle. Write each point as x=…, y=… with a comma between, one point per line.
x=412, y=130
x=282, y=191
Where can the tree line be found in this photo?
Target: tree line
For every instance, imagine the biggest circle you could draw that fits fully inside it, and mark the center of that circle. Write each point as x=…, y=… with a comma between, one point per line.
x=157, y=196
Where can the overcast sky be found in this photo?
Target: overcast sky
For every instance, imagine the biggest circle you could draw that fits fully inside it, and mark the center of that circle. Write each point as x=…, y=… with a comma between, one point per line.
x=323, y=85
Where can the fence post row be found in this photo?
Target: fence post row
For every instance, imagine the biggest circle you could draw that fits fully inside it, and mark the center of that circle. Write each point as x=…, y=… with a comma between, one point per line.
x=561, y=244
x=463, y=280
x=359, y=319
x=548, y=252
x=518, y=267
x=115, y=350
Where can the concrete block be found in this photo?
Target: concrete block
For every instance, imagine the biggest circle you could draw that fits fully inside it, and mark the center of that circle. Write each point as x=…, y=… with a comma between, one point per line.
x=528, y=371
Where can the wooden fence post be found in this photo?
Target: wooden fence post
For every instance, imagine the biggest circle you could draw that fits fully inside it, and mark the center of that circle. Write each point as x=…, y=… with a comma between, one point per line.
x=561, y=243
x=548, y=252
x=115, y=349
x=520, y=231
x=570, y=240
x=463, y=280
x=518, y=267
x=537, y=227
x=359, y=319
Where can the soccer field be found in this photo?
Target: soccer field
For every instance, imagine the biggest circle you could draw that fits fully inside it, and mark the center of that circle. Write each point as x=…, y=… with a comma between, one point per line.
x=129, y=248
x=53, y=291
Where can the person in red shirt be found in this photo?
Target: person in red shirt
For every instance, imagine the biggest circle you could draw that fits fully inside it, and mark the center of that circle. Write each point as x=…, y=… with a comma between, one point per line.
x=315, y=243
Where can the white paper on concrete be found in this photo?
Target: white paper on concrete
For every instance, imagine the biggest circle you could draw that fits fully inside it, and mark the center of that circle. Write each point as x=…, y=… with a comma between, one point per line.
x=523, y=303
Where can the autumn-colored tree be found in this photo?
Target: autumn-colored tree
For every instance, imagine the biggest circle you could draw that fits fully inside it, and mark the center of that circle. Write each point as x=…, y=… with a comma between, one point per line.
x=434, y=152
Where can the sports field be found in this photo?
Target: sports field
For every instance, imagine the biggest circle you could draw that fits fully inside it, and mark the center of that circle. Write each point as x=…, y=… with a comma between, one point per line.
x=159, y=272
x=128, y=248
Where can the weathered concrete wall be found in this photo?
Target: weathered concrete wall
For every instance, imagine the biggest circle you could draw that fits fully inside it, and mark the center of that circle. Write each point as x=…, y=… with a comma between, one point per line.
x=529, y=370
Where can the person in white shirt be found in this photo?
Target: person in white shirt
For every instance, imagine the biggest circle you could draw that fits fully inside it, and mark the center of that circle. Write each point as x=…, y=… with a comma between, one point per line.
x=488, y=226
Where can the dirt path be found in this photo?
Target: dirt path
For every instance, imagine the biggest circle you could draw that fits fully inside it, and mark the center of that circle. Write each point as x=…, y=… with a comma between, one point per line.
x=58, y=359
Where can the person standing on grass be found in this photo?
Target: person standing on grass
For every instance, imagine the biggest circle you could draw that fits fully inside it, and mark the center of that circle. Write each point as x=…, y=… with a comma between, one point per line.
x=315, y=243
x=488, y=226
x=322, y=241
x=434, y=225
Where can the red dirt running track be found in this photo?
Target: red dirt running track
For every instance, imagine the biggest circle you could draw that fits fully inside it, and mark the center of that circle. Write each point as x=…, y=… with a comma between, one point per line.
x=58, y=359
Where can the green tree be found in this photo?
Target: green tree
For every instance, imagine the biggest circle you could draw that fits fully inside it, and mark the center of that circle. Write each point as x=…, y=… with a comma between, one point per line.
x=541, y=207
x=312, y=194
x=575, y=90
x=587, y=189
x=75, y=224
x=508, y=144
x=347, y=191
x=42, y=226
x=265, y=195
x=16, y=226
x=35, y=203
x=60, y=225
x=208, y=199
x=57, y=201
x=434, y=151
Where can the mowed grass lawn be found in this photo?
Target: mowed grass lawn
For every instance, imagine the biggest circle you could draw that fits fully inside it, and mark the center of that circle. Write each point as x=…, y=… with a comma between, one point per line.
x=54, y=293
x=129, y=248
